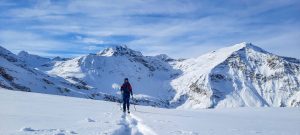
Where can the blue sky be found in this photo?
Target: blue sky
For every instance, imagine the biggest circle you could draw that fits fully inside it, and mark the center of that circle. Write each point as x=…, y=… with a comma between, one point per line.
x=186, y=28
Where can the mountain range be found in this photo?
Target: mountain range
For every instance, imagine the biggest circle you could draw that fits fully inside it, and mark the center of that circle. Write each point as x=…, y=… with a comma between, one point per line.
x=242, y=75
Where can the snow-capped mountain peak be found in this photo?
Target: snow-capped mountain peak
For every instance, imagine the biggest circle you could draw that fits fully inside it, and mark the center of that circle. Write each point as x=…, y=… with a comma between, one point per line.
x=33, y=60
x=119, y=50
x=244, y=45
x=164, y=57
x=240, y=75
x=250, y=46
x=23, y=53
x=57, y=58
x=212, y=59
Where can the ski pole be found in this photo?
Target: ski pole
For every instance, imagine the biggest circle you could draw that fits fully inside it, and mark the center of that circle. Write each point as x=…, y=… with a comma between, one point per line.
x=120, y=101
x=134, y=104
x=120, y=104
x=134, y=107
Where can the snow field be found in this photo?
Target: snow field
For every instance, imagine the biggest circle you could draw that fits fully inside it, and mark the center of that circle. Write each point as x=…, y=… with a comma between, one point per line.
x=24, y=113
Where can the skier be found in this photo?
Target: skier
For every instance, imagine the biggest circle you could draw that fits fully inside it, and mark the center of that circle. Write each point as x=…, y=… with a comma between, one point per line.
x=126, y=91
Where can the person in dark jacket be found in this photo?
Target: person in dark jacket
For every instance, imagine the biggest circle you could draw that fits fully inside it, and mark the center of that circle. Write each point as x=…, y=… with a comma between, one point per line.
x=126, y=91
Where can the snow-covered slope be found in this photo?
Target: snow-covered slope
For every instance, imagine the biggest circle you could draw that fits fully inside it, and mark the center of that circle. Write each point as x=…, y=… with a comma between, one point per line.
x=105, y=71
x=33, y=60
x=16, y=75
x=39, y=114
x=240, y=75
x=38, y=62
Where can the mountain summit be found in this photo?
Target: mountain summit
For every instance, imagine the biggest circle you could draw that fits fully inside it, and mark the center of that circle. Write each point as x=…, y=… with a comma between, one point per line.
x=239, y=75
x=119, y=51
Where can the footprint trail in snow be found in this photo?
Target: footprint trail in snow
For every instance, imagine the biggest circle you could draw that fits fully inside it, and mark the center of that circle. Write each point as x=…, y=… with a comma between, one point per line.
x=132, y=125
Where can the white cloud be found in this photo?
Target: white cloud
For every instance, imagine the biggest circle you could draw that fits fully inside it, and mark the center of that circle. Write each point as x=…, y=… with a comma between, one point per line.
x=20, y=40
x=169, y=26
x=89, y=40
x=92, y=48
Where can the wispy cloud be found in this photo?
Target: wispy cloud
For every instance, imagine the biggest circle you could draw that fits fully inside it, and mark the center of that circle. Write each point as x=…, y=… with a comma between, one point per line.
x=89, y=40
x=178, y=28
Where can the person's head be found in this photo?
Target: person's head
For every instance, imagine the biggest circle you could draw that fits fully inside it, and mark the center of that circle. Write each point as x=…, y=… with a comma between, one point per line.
x=126, y=80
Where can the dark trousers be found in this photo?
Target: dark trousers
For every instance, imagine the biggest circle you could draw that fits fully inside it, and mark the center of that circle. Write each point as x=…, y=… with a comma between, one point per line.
x=126, y=98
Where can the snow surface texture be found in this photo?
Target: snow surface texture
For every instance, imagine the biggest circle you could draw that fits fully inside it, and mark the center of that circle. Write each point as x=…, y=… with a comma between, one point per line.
x=24, y=113
x=237, y=76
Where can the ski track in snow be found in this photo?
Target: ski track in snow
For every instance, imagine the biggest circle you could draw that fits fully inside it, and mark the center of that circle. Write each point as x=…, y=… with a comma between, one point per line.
x=132, y=125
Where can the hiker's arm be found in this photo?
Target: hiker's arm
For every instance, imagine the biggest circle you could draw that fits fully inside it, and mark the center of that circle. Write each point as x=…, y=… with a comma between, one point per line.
x=121, y=89
x=130, y=90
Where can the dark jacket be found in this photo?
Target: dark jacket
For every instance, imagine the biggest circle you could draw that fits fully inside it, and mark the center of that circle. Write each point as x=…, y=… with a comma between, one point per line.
x=126, y=88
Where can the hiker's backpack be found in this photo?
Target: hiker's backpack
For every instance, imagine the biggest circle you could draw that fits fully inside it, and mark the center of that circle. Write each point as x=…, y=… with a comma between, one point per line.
x=126, y=88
